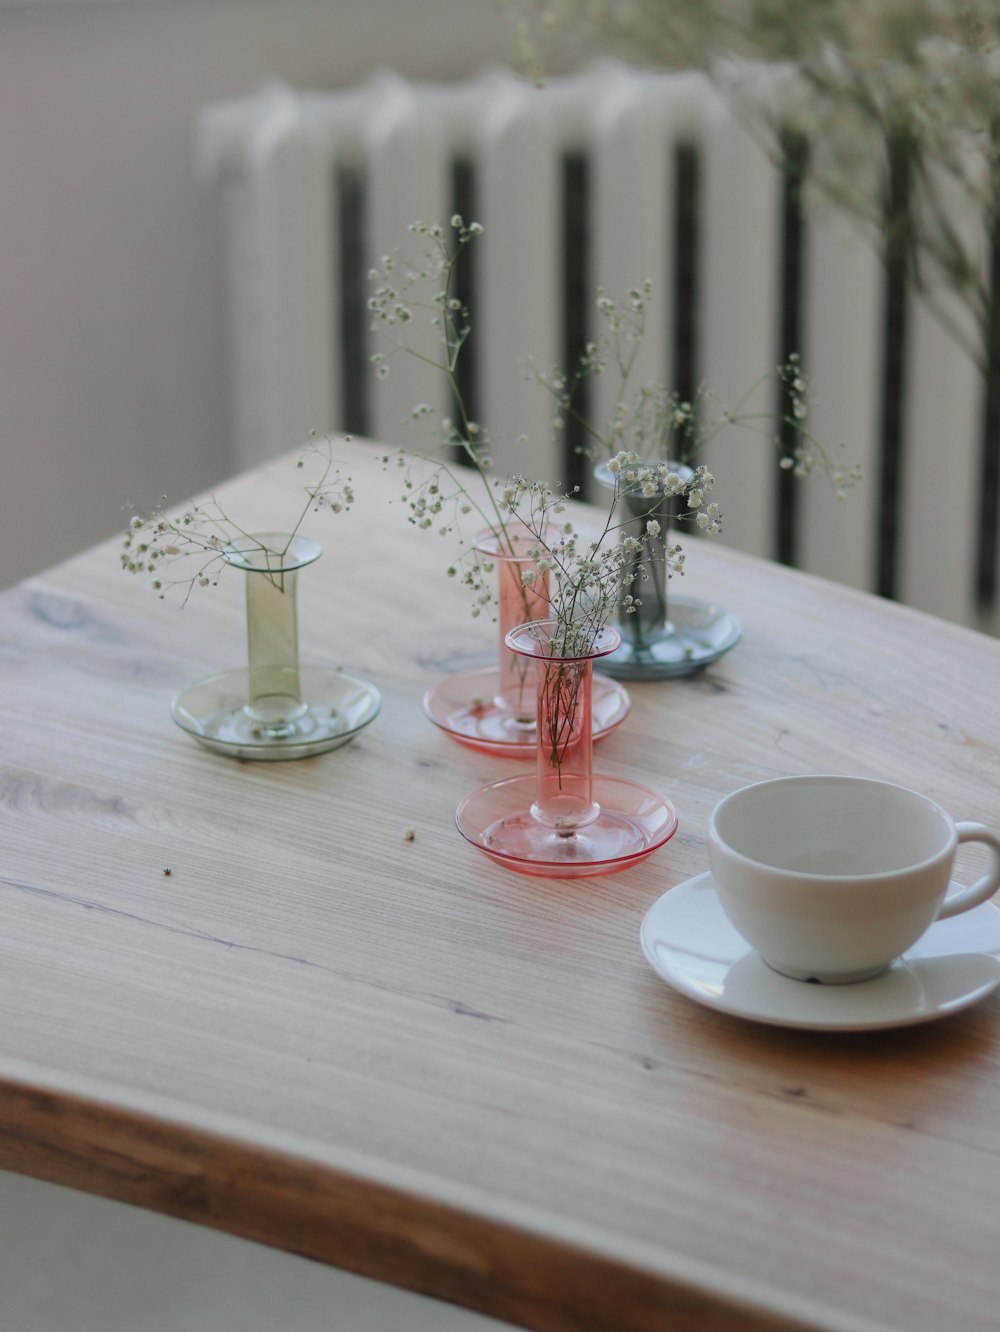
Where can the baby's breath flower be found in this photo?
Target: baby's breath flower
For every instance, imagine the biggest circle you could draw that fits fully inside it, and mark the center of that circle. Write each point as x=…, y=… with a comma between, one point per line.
x=198, y=539
x=649, y=441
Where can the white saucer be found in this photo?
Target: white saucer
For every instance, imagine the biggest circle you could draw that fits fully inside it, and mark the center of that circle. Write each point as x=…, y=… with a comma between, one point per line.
x=689, y=941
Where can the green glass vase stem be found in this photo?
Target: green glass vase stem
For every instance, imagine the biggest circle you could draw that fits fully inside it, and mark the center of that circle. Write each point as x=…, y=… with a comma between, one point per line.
x=275, y=699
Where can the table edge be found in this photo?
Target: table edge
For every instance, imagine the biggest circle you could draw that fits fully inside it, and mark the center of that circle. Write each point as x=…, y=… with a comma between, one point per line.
x=447, y=1241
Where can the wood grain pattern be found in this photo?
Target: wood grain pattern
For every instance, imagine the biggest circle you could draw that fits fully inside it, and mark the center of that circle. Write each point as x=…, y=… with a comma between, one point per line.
x=397, y=1057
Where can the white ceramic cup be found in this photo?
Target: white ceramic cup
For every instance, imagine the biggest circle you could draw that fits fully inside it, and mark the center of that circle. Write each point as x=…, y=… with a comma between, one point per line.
x=830, y=878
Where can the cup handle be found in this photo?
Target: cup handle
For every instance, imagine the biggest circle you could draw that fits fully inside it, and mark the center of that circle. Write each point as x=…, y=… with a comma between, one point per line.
x=983, y=889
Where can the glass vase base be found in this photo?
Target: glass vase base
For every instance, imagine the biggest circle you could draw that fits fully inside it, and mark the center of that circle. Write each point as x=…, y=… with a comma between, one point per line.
x=633, y=823
x=695, y=634
x=338, y=706
x=464, y=706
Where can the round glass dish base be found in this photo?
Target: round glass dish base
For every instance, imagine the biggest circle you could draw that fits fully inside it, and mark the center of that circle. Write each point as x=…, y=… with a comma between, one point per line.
x=633, y=823
x=695, y=634
x=463, y=705
x=338, y=706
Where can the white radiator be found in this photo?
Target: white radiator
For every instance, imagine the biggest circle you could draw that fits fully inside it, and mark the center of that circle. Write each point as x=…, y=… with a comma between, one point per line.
x=601, y=179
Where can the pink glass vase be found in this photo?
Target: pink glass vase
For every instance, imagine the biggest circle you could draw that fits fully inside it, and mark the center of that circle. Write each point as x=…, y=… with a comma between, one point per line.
x=493, y=709
x=518, y=602
x=564, y=821
x=564, y=789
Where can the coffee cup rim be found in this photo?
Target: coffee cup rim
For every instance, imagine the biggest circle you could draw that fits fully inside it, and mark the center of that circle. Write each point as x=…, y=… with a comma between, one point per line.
x=810, y=875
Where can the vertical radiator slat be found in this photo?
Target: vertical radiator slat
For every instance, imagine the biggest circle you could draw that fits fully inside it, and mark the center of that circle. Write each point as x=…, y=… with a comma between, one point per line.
x=635, y=124
x=740, y=314
x=837, y=538
x=407, y=170
x=288, y=214
x=937, y=500
x=938, y=492
x=519, y=315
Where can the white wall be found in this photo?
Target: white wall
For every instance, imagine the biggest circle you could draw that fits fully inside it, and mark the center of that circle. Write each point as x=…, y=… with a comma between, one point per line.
x=113, y=363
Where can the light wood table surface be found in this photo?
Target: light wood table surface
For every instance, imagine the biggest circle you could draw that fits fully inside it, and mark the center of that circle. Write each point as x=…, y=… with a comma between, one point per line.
x=399, y=1058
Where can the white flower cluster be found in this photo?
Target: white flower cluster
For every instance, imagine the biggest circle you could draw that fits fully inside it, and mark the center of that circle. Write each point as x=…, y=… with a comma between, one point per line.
x=199, y=537
x=652, y=423
x=590, y=578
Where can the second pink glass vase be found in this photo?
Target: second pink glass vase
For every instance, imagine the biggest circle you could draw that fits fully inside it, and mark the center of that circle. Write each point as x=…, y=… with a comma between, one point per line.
x=493, y=709
x=517, y=602
x=564, y=821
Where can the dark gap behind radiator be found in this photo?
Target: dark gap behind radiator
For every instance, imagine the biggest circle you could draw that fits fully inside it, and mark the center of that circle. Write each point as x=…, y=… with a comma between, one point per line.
x=684, y=265
x=898, y=259
x=465, y=277
x=577, y=296
x=791, y=338
x=354, y=372
x=988, y=536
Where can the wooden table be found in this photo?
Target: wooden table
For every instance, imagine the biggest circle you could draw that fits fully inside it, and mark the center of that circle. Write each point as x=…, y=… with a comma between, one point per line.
x=394, y=1056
